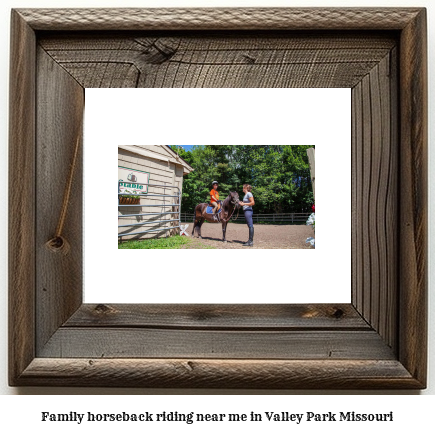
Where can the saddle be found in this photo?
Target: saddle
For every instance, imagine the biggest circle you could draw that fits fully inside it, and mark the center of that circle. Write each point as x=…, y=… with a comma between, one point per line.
x=209, y=209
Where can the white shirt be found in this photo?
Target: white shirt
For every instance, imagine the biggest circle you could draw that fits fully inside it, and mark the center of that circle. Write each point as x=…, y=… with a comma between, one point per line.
x=248, y=195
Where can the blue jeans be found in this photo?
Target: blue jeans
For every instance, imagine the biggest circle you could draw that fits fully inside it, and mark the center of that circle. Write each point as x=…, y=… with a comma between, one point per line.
x=248, y=217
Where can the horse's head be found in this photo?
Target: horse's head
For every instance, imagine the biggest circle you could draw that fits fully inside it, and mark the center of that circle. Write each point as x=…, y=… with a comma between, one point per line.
x=234, y=198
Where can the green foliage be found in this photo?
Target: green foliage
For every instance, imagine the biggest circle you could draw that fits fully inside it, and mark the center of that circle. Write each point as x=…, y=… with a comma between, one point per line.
x=131, y=196
x=279, y=175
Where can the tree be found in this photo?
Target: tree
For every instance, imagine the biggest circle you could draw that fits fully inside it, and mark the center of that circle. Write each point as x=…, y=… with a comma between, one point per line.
x=279, y=175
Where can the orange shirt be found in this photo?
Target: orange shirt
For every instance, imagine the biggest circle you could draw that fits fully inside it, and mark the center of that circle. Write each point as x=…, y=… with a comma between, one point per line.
x=214, y=195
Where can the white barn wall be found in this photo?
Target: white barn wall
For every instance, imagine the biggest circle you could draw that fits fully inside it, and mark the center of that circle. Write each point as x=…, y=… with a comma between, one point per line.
x=161, y=173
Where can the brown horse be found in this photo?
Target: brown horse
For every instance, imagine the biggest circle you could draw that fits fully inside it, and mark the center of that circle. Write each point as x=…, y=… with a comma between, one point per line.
x=228, y=207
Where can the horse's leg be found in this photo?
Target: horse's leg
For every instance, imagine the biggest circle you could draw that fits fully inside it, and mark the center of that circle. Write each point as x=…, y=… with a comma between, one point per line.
x=199, y=227
x=224, y=231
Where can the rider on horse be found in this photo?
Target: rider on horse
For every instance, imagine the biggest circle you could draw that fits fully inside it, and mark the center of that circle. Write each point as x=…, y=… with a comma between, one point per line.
x=214, y=197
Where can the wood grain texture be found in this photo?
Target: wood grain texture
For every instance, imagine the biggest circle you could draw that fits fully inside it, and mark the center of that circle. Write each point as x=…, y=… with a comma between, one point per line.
x=220, y=317
x=375, y=198
x=378, y=343
x=392, y=298
x=126, y=342
x=356, y=200
x=235, y=60
x=21, y=202
x=413, y=187
x=240, y=374
x=59, y=277
x=219, y=18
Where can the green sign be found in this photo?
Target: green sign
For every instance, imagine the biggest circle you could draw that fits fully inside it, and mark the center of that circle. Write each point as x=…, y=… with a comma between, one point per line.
x=132, y=181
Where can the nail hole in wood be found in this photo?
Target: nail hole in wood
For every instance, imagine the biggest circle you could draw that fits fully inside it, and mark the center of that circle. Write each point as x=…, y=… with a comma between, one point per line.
x=338, y=314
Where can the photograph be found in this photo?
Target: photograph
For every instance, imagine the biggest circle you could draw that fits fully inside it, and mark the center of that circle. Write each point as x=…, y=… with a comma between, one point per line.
x=198, y=182
x=216, y=197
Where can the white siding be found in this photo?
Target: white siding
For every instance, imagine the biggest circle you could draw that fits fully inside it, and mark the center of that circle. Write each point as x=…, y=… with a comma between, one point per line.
x=162, y=173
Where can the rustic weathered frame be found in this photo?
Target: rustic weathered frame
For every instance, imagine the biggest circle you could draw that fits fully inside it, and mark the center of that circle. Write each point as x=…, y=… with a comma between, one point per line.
x=377, y=341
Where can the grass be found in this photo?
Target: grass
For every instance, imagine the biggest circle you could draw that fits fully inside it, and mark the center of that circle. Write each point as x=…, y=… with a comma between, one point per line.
x=175, y=242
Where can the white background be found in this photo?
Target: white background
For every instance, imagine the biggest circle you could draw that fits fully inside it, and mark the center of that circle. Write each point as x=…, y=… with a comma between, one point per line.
x=320, y=117
x=416, y=412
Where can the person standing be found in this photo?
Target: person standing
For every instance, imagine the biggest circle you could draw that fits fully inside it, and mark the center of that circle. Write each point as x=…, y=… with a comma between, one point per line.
x=248, y=203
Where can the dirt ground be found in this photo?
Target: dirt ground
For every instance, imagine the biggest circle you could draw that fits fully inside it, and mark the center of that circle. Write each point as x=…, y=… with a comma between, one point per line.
x=265, y=236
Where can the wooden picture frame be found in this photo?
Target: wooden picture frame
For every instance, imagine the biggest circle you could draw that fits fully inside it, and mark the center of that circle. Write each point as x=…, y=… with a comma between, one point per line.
x=377, y=341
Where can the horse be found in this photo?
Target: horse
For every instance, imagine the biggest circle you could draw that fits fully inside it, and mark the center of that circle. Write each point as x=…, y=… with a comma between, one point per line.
x=228, y=207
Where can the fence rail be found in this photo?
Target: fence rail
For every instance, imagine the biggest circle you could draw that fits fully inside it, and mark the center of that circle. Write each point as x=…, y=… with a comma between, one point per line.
x=289, y=218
